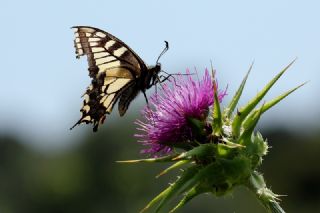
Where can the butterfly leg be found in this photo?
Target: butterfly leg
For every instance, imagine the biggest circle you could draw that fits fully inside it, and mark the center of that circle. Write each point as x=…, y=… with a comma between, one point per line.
x=167, y=77
x=164, y=78
x=145, y=96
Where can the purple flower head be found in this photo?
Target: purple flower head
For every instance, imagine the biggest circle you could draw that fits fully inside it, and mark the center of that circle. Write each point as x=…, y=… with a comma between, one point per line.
x=167, y=116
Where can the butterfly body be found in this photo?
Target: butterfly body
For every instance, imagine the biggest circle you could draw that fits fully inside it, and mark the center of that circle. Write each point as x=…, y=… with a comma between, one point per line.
x=118, y=74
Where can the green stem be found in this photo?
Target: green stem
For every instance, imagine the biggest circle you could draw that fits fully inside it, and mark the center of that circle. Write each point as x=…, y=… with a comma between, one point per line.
x=266, y=197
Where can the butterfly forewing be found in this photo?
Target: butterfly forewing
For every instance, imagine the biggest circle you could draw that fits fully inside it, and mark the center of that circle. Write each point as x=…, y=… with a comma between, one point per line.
x=114, y=69
x=104, y=51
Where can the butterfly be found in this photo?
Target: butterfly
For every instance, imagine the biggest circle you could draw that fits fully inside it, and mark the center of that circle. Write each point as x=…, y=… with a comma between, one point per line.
x=117, y=74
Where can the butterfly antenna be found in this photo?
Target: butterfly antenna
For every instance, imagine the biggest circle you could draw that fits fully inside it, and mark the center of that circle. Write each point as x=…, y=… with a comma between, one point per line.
x=163, y=51
x=172, y=74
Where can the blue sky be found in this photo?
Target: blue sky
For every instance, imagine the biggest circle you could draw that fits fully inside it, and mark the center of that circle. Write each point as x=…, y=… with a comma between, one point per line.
x=41, y=81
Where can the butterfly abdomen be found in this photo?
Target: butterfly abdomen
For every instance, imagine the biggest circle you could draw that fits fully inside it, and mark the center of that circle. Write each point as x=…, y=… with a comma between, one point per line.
x=126, y=97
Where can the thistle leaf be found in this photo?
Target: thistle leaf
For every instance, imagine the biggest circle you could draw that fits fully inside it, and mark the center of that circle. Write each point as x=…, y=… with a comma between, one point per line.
x=244, y=111
x=217, y=117
x=175, y=188
x=174, y=166
x=203, y=150
x=227, y=143
x=156, y=199
x=273, y=102
x=210, y=172
x=195, y=191
x=233, y=103
x=251, y=124
x=167, y=158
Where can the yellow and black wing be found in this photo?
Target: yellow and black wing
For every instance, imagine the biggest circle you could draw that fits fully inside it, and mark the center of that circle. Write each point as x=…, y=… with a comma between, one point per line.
x=114, y=69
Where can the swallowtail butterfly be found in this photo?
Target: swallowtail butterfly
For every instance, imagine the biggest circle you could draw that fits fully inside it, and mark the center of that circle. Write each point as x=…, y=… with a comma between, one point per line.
x=118, y=74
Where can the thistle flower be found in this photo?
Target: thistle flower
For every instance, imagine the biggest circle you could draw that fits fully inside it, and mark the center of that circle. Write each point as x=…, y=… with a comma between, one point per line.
x=229, y=156
x=168, y=117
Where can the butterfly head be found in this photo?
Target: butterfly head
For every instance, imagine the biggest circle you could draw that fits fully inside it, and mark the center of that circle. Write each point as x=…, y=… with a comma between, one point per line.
x=154, y=74
x=156, y=69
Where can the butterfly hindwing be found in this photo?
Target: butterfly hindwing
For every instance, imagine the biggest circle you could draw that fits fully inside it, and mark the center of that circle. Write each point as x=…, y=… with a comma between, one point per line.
x=100, y=98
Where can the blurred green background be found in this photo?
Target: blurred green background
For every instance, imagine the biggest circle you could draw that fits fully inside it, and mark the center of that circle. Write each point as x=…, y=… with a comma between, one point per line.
x=86, y=178
x=44, y=167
